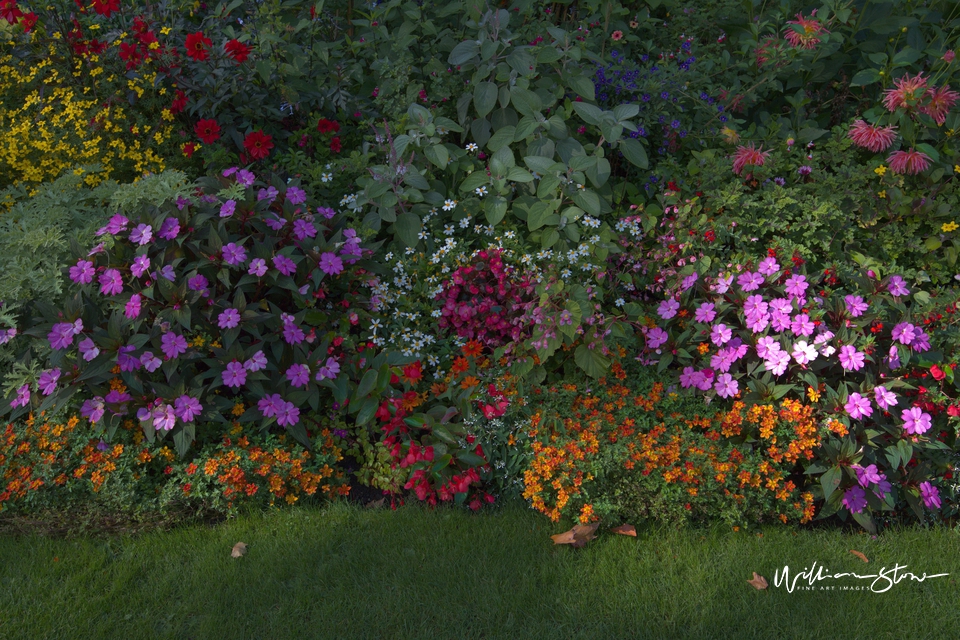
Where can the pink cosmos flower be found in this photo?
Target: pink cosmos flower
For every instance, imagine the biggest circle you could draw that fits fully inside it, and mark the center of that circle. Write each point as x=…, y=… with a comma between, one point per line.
x=726, y=386
x=749, y=156
x=941, y=100
x=850, y=358
x=858, y=407
x=806, y=38
x=855, y=499
x=906, y=92
x=930, y=495
x=234, y=375
x=111, y=282
x=871, y=136
x=83, y=272
x=908, y=162
x=915, y=421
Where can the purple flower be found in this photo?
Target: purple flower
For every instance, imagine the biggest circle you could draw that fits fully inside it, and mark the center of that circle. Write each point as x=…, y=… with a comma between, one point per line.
x=142, y=234
x=298, y=375
x=303, y=229
x=116, y=224
x=197, y=283
x=755, y=305
x=48, y=381
x=750, y=281
x=234, y=254
x=61, y=335
x=766, y=346
x=722, y=360
x=858, y=407
x=720, y=334
x=930, y=495
x=757, y=323
x=668, y=308
x=897, y=286
x=23, y=397
x=270, y=405
x=125, y=361
x=689, y=377
x=655, y=337
x=726, y=386
x=285, y=265
x=187, y=408
x=326, y=212
x=228, y=319
x=111, y=282
x=92, y=409
x=705, y=313
x=274, y=222
x=83, y=272
x=330, y=264
x=705, y=380
x=781, y=305
x=183, y=202
x=804, y=170
x=97, y=249
x=867, y=475
x=167, y=272
x=776, y=362
x=287, y=414
x=893, y=358
x=330, y=370
x=921, y=342
x=884, y=397
x=245, y=177
x=257, y=362
x=768, y=266
x=855, y=499
x=258, y=267
x=140, y=266
x=270, y=193
x=169, y=229
x=722, y=285
x=88, y=349
x=689, y=281
x=234, y=375
x=801, y=325
x=173, y=345
x=904, y=332
x=566, y=318
x=149, y=361
x=796, y=285
x=228, y=208
x=7, y=335
x=292, y=334
x=915, y=421
x=296, y=195
x=119, y=401
x=850, y=358
x=132, y=308
x=164, y=418
x=856, y=307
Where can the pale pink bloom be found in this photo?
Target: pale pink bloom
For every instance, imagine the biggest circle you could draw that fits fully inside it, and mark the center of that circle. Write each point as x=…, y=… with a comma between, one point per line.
x=908, y=162
x=749, y=156
x=906, y=93
x=871, y=136
x=811, y=29
x=941, y=99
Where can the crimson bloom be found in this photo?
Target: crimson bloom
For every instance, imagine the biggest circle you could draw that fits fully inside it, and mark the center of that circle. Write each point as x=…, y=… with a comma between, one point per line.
x=909, y=162
x=28, y=22
x=941, y=99
x=198, y=46
x=179, y=102
x=106, y=7
x=906, y=93
x=328, y=126
x=806, y=38
x=871, y=136
x=189, y=149
x=208, y=131
x=258, y=144
x=749, y=156
x=9, y=11
x=335, y=144
x=237, y=50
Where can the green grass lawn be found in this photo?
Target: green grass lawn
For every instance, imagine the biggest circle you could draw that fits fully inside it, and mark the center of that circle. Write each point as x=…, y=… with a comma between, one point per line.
x=348, y=572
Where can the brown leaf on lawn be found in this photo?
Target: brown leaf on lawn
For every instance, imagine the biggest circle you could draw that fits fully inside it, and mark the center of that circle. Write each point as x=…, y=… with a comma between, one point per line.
x=625, y=530
x=239, y=549
x=376, y=504
x=759, y=582
x=859, y=555
x=578, y=536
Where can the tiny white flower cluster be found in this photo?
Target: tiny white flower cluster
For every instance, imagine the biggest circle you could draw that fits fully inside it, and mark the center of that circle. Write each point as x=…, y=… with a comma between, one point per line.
x=589, y=221
x=350, y=202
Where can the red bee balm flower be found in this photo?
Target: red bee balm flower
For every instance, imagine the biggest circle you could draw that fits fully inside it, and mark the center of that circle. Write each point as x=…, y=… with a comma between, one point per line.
x=749, y=156
x=328, y=126
x=806, y=37
x=198, y=46
x=237, y=50
x=910, y=162
x=106, y=7
x=258, y=144
x=871, y=136
x=208, y=131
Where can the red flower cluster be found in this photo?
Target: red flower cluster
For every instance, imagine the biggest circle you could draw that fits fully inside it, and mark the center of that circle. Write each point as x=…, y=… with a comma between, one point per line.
x=328, y=126
x=258, y=144
x=136, y=52
x=237, y=50
x=106, y=8
x=179, y=102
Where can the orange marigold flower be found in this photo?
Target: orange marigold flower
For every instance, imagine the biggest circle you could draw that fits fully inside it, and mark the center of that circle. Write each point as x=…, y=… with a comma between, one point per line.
x=871, y=136
x=472, y=349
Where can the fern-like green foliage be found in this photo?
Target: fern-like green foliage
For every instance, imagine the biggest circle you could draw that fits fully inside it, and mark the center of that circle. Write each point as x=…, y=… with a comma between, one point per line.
x=154, y=189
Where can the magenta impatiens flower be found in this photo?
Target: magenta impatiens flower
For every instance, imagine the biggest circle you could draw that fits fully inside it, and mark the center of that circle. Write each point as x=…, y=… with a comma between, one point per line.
x=850, y=358
x=930, y=495
x=169, y=229
x=803, y=352
x=228, y=319
x=197, y=283
x=303, y=229
x=142, y=234
x=228, y=208
x=777, y=362
x=111, y=282
x=285, y=265
x=295, y=195
x=132, y=308
x=668, y=308
x=234, y=375
x=329, y=370
x=655, y=338
x=855, y=499
x=164, y=418
x=298, y=375
x=904, y=332
x=173, y=345
x=149, y=361
x=915, y=421
x=884, y=397
x=897, y=286
x=117, y=224
x=330, y=264
x=796, y=285
x=705, y=313
x=867, y=475
x=140, y=266
x=23, y=397
x=92, y=409
x=768, y=266
x=270, y=405
x=256, y=362
x=856, y=307
x=82, y=272
x=61, y=335
x=801, y=325
x=288, y=414
x=234, y=254
x=88, y=349
x=48, y=381
x=749, y=281
x=858, y=407
x=187, y=408
x=726, y=386
x=720, y=334
x=258, y=267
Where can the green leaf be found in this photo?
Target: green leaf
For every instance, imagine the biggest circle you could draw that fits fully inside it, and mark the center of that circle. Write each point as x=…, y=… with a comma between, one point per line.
x=367, y=384
x=588, y=200
x=583, y=86
x=495, y=208
x=518, y=174
x=588, y=113
x=576, y=315
x=865, y=77
x=484, y=97
x=526, y=127
x=501, y=138
x=463, y=52
x=525, y=101
x=593, y=363
x=183, y=438
x=830, y=480
x=438, y=155
x=474, y=180
x=625, y=111
x=540, y=164
x=538, y=215
x=367, y=411
x=408, y=228
x=634, y=152
x=929, y=150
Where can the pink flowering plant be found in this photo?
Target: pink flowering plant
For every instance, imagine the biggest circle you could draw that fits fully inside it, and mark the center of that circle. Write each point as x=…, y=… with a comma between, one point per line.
x=770, y=331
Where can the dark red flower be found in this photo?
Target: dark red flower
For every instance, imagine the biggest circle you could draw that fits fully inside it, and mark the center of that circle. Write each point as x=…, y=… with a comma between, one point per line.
x=9, y=11
x=106, y=7
x=29, y=20
x=208, y=131
x=258, y=144
x=188, y=149
x=198, y=46
x=937, y=373
x=335, y=144
x=179, y=102
x=237, y=50
x=130, y=54
x=328, y=126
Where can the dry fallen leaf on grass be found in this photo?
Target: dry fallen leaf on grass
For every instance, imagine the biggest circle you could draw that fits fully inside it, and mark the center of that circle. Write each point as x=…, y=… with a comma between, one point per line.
x=375, y=504
x=576, y=537
x=239, y=549
x=759, y=582
x=859, y=555
x=625, y=530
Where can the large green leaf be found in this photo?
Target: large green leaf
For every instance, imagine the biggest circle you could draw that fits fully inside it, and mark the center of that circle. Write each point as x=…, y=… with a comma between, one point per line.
x=593, y=363
x=634, y=152
x=438, y=155
x=495, y=208
x=502, y=137
x=484, y=97
x=463, y=52
x=408, y=228
x=525, y=101
x=589, y=113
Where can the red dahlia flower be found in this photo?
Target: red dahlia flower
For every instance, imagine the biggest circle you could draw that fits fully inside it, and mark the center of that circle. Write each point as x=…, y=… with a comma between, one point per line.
x=179, y=102
x=106, y=7
x=237, y=50
x=906, y=93
x=188, y=149
x=335, y=145
x=29, y=20
x=328, y=126
x=871, y=136
x=198, y=45
x=208, y=131
x=258, y=144
x=941, y=99
x=910, y=162
x=9, y=11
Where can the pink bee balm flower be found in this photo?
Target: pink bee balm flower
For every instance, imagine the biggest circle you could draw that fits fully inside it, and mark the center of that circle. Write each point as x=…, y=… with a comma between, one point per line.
x=111, y=282
x=906, y=92
x=915, y=421
x=806, y=36
x=850, y=358
x=908, y=162
x=83, y=272
x=871, y=136
x=858, y=407
x=749, y=156
x=855, y=499
x=941, y=99
x=930, y=495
